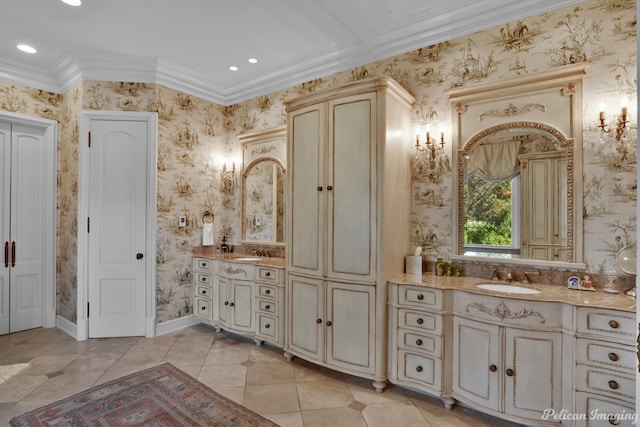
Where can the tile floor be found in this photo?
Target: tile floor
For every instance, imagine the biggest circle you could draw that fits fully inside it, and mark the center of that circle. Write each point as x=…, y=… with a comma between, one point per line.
x=258, y=377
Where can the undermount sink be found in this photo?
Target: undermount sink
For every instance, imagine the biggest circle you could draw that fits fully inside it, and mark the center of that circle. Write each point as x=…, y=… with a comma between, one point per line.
x=248, y=258
x=511, y=289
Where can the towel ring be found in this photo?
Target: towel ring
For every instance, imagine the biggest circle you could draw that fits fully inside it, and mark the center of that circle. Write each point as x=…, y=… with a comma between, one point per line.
x=206, y=216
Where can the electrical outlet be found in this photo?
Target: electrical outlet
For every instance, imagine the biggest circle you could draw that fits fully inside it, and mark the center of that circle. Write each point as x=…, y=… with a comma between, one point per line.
x=182, y=221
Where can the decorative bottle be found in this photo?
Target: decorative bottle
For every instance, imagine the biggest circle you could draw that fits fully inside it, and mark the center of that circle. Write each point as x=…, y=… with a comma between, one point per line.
x=439, y=267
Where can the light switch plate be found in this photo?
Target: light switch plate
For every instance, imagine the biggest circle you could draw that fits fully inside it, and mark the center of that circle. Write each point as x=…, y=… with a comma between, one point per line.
x=182, y=221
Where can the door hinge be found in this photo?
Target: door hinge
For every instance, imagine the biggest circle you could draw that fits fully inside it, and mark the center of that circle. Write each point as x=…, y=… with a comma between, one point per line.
x=89, y=139
x=88, y=224
x=87, y=310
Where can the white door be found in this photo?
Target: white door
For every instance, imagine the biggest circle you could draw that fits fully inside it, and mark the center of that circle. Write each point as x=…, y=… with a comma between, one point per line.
x=22, y=227
x=117, y=228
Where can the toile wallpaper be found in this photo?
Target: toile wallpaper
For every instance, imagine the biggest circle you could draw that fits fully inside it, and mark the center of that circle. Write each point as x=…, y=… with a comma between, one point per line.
x=199, y=156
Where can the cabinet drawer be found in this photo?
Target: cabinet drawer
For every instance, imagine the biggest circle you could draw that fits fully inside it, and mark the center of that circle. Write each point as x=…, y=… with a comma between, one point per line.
x=203, y=278
x=607, y=323
x=267, y=326
x=420, y=296
x=508, y=311
x=204, y=291
x=599, y=411
x=268, y=306
x=267, y=291
x=268, y=274
x=605, y=355
x=428, y=344
x=605, y=382
x=203, y=264
x=237, y=270
x=420, y=320
x=423, y=369
x=202, y=308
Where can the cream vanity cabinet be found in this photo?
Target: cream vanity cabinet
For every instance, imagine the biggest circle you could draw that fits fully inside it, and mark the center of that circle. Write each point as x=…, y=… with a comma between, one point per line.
x=420, y=346
x=544, y=205
x=239, y=297
x=348, y=200
x=507, y=355
x=605, y=366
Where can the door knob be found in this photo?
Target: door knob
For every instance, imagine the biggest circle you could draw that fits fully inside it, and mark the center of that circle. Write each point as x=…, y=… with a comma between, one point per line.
x=139, y=255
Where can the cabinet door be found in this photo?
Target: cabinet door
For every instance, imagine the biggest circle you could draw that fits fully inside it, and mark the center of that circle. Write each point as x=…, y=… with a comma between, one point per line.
x=351, y=326
x=224, y=291
x=532, y=371
x=305, y=198
x=305, y=317
x=241, y=305
x=351, y=180
x=477, y=362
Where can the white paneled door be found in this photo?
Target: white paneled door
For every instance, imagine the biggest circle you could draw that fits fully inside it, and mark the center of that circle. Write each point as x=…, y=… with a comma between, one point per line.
x=22, y=213
x=116, y=225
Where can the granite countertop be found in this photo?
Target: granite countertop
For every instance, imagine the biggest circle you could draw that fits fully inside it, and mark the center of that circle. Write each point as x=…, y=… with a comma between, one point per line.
x=549, y=293
x=210, y=252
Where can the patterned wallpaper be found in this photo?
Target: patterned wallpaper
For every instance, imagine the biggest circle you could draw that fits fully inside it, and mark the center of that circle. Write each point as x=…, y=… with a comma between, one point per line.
x=198, y=146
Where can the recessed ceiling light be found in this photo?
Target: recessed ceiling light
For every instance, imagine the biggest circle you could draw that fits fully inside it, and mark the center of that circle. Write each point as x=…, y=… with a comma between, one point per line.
x=233, y=68
x=26, y=48
x=252, y=60
x=72, y=2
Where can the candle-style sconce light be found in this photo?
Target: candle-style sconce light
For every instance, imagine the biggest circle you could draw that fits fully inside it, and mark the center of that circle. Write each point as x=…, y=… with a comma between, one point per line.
x=619, y=124
x=430, y=159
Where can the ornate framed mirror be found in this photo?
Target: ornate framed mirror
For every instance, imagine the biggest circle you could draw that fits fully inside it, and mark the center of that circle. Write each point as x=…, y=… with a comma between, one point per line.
x=518, y=169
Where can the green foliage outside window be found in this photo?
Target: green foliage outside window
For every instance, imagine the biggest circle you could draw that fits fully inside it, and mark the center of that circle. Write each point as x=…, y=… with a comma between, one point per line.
x=487, y=207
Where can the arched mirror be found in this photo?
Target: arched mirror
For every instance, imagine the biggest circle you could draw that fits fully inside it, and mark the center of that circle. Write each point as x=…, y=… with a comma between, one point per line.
x=263, y=186
x=518, y=169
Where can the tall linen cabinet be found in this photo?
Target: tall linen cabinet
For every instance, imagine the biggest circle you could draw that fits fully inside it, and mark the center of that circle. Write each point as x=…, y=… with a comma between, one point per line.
x=348, y=222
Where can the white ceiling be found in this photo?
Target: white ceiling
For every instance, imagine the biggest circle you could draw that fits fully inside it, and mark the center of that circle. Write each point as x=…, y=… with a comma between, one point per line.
x=189, y=44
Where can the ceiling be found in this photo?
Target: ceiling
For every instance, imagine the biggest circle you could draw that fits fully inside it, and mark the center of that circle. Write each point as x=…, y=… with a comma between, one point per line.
x=189, y=44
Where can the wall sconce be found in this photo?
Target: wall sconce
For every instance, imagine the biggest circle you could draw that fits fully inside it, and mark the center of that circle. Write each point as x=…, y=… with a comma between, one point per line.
x=430, y=160
x=228, y=179
x=620, y=123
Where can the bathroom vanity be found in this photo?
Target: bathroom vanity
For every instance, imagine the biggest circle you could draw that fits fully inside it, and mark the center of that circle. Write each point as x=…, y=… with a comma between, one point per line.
x=539, y=349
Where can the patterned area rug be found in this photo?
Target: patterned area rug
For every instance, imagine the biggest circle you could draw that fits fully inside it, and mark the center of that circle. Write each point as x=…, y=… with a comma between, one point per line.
x=158, y=396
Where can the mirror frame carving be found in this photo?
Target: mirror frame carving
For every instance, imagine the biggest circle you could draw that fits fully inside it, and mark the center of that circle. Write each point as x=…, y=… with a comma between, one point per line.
x=258, y=147
x=523, y=101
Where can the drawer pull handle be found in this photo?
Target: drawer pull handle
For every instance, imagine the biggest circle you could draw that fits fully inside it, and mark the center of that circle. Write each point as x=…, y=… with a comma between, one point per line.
x=420, y=297
x=419, y=342
x=419, y=368
x=510, y=372
x=613, y=357
x=614, y=421
x=268, y=291
x=613, y=385
x=419, y=321
x=319, y=321
x=267, y=326
x=267, y=307
x=329, y=323
x=268, y=273
x=614, y=324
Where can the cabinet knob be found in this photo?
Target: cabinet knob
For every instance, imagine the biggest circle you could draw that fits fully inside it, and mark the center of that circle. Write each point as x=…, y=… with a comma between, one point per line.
x=613, y=357
x=329, y=187
x=203, y=279
x=613, y=385
x=420, y=321
x=267, y=307
x=203, y=292
x=493, y=368
x=267, y=326
x=268, y=273
x=510, y=372
x=419, y=368
x=203, y=308
x=420, y=297
x=319, y=188
x=267, y=291
x=418, y=342
x=319, y=321
x=329, y=323
x=231, y=304
x=614, y=324
x=613, y=420
x=226, y=303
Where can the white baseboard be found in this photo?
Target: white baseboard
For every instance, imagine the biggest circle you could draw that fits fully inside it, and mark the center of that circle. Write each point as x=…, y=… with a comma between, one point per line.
x=175, y=325
x=67, y=326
